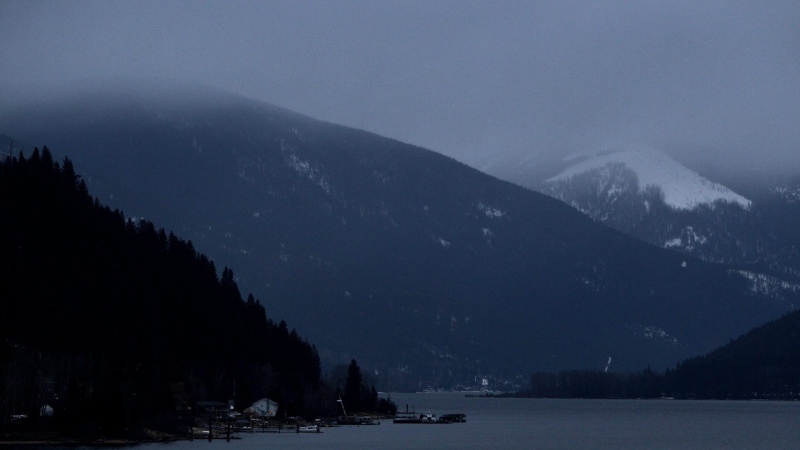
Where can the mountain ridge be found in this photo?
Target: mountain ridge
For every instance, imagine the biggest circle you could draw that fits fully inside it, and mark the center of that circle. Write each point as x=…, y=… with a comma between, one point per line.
x=436, y=272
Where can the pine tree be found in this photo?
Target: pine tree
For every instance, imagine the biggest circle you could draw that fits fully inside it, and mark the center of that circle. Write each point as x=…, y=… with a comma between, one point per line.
x=352, y=387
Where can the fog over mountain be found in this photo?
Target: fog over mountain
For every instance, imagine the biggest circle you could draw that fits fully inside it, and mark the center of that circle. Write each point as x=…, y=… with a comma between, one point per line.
x=709, y=83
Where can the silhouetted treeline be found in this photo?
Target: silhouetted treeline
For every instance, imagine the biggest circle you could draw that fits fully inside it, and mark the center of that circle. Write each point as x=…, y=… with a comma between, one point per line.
x=594, y=384
x=762, y=364
x=358, y=396
x=109, y=325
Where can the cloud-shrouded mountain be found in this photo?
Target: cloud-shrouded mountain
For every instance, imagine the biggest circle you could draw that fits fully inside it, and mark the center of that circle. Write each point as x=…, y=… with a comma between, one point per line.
x=426, y=270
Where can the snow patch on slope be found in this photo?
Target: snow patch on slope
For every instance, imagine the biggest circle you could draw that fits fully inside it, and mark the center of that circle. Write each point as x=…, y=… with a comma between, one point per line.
x=654, y=333
x=766, y=285
x=304, y=168
x=490, y=211
x=683, y=188
x=689, y=240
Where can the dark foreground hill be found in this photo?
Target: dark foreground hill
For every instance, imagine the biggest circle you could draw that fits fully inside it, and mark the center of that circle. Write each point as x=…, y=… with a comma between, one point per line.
x=764, y=363
x=425, y=270
x=113, y=325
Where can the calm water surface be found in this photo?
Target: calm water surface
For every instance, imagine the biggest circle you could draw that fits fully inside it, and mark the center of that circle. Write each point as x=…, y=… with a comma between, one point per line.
x=552, y=424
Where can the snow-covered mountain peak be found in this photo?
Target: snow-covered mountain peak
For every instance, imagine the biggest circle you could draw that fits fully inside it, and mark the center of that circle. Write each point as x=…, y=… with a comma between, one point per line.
x=683, y=188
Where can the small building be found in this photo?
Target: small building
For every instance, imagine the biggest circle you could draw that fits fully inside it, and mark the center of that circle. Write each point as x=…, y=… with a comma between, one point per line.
x=262, y=408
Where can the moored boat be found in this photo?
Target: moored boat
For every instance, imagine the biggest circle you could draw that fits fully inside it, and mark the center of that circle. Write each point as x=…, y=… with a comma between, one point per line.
x=428, y=418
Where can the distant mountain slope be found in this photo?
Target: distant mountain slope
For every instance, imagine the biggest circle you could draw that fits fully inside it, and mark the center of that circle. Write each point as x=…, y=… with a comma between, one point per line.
x=427, y=271
x=645, y=193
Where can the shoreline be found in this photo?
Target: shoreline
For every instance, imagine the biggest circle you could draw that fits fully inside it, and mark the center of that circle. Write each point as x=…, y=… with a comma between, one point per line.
x=70, y=443
x=103, y=442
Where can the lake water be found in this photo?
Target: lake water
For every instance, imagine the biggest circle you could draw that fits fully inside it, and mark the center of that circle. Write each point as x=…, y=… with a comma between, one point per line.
x=552, y=424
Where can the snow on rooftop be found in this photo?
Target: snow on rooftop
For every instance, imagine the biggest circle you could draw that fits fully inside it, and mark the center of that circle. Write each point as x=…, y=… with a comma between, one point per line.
x=683, y=188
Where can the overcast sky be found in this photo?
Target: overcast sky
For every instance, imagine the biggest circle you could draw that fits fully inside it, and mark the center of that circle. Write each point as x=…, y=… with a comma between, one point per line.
x=479, y=81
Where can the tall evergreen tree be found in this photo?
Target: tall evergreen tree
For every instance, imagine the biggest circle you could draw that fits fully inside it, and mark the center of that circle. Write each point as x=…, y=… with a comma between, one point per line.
x=353, y=387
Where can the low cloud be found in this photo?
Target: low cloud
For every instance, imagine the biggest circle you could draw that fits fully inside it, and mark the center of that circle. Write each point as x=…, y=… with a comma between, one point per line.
x=484, y=82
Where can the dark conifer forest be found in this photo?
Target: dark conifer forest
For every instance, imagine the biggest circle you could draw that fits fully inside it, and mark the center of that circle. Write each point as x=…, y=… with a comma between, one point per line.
x=110, y=325
x=361, y=397
x=763, y=363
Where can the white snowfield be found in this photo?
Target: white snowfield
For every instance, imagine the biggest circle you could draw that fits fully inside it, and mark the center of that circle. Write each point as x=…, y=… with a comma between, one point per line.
x=683, y=188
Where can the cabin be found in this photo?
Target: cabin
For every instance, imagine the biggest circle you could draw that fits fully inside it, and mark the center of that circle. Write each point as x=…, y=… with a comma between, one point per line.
x=262, y=408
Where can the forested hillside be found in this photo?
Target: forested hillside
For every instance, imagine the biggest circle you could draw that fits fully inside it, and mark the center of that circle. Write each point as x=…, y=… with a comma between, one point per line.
x=761, y=364
x=117, y=325
x=764, y=363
